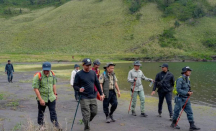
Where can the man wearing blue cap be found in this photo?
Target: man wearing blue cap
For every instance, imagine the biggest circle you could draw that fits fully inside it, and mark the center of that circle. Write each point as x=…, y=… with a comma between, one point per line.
x=135, y=77
x=184, y=91
x=73, y=73
x=84, y=83
x=164, y=81
x=44, y=84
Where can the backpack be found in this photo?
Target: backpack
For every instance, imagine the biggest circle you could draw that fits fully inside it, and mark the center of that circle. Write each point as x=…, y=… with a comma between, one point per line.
x=40, y=75
x=175, y=89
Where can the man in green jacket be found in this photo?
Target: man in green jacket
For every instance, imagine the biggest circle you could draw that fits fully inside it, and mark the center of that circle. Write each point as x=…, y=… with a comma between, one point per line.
x=134, y=77
x=44, y=84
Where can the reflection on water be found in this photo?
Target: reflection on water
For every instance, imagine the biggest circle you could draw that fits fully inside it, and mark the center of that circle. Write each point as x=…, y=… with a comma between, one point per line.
x=203, y=78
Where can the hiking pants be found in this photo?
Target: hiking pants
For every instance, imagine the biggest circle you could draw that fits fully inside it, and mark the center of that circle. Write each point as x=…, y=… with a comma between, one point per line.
x=111, y=100
x=179, y=103
x=10, y=76
x=142, y=100
x=168, y=96
x=53, y=115
x=89, y=110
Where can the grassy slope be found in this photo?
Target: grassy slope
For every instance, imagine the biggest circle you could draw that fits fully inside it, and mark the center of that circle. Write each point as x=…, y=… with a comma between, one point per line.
x=91, y=28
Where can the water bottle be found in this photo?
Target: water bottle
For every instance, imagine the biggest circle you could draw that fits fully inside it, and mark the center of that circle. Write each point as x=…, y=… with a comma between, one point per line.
x=150, y=85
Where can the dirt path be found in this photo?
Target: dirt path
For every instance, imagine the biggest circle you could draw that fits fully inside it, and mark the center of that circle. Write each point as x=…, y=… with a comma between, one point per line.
x=18, y=105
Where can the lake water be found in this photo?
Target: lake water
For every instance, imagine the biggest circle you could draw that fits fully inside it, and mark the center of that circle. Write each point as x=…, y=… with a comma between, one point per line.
x=203, y=78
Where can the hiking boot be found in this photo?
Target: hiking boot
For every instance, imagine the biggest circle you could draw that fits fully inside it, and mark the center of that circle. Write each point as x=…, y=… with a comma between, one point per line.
x=86, y=128
x=77, y=98
x=193, y=127
x=144, y=115
x=42, y=128
x=159, y=115
x=173, y=125
x=171, y=118
x=112, y=119
x=108, y=119
x=59, y=129
x=133, y=113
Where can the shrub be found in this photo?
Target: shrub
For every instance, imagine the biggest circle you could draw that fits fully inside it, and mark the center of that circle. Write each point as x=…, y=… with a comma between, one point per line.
x=177, y=24
x=167, y=39
x=210, y=43
x=183, y=9
x=135, y=6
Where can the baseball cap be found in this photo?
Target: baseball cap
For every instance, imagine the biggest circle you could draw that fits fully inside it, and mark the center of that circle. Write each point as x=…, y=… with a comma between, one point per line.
x=46, y=66
x=86, y=61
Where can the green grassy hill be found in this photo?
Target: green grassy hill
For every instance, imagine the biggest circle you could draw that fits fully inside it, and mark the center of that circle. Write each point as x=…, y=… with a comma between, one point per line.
x=90, y=27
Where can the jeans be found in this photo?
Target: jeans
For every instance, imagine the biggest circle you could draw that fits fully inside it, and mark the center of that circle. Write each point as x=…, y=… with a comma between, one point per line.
x=53, y=115
x=10, y=76
x=168, y=96
x=111, y=100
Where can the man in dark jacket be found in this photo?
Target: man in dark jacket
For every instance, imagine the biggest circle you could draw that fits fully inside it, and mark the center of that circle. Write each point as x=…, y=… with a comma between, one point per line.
x=184, y=91
x=164, y=81
x=84, y=83
x=9, y=71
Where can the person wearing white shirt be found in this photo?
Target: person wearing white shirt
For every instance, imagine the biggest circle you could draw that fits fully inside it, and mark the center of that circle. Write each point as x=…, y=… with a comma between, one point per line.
x=73, y=73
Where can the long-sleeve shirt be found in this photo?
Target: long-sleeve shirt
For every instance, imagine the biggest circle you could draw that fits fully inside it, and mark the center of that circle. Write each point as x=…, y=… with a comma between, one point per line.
x=73, y=73
x=140, y=76
x=167, y=84
x=183, y=86
x=87, y=80
x=9, y=68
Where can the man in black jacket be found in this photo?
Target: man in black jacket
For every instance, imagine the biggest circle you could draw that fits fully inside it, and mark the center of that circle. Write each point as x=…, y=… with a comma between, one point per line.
x=84, y=83
x=164, y=81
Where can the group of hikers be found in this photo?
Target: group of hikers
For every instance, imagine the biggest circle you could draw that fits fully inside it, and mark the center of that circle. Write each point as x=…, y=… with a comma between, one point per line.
x=89, y=85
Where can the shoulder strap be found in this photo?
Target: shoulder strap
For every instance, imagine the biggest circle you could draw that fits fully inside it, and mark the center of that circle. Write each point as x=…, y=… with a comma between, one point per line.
x=53, y=73
x=164, y=77
x=39, y=75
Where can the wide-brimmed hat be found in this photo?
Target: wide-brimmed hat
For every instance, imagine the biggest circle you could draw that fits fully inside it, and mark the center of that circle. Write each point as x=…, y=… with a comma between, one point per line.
x=185, y=69
x=137, y=63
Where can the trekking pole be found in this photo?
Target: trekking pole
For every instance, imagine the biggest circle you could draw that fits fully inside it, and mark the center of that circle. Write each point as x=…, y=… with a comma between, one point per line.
x=76, y=112
x=182, y=111
x=131, y=97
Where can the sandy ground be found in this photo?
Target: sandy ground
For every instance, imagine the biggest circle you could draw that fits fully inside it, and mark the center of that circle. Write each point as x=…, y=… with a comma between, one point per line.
x=18, y=108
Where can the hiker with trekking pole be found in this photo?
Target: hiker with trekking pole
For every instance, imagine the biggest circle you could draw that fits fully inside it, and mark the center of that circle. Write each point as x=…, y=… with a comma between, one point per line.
x=44, y=85
x=134, y=77
x=164, y=81
x=183, y=92
x=84, y=83
x=109, y=86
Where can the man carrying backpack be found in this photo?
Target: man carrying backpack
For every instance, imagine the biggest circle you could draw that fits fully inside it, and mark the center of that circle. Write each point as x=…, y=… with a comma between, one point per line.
x=182, y=98
x=109, y=85
x=9, y=71
x=44, y=84
x=73, y=73
x=164, y=81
